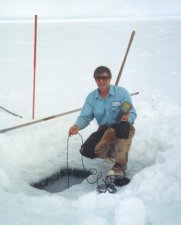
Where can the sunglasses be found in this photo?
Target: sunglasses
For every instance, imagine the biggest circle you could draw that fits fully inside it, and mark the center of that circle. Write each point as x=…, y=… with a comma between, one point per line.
x=104, y=78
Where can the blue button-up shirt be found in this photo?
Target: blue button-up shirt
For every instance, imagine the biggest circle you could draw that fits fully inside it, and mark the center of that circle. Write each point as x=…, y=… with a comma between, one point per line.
x=105, y=110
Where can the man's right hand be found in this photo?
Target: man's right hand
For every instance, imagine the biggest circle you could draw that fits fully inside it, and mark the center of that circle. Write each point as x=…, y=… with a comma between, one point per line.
x=73, y=130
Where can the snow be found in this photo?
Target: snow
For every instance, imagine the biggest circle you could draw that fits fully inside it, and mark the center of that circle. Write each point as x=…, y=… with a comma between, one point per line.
x=137, y=208
x=68, y=52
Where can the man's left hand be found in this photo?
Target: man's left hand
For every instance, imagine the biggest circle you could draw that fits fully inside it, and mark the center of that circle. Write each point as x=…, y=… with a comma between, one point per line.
x=125, y=117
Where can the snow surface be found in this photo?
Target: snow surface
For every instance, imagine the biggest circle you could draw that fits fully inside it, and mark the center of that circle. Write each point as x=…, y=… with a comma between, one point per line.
x=68, y=52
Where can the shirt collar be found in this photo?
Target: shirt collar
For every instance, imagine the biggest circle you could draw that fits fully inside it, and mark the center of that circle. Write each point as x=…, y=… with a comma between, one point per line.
x=111, y=92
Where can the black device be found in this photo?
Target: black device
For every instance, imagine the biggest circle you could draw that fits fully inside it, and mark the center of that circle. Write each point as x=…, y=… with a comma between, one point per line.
x=126, y=107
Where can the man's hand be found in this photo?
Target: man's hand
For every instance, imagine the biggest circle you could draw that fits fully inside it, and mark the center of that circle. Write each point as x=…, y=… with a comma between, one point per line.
x=73, y=130
x=125, y=117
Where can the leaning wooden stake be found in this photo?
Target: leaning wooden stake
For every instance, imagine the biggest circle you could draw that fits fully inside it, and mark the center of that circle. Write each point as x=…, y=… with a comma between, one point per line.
x=12, y=113
x=75, y=110
x=44, y=119
x=34, y=67
x=125, y=57
x=38, y=121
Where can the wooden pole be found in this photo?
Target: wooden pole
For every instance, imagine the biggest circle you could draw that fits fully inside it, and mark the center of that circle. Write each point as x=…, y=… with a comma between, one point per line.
x=12, y=113
x=38, y=121
x=125, y=57
x=34, y=66
x=45, y=119
x=75, y=110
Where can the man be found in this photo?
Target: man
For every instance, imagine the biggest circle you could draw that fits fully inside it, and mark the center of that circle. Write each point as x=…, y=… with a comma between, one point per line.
x=113, y=138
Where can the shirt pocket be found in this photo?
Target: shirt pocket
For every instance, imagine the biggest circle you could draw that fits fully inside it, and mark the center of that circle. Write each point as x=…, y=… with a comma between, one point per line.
x=115, y=112
x=99, y=113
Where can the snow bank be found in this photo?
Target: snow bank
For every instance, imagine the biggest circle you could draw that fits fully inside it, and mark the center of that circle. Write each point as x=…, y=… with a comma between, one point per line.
x=135, y=208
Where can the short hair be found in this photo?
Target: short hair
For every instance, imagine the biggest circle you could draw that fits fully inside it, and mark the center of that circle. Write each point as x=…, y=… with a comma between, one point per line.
x=102, y=69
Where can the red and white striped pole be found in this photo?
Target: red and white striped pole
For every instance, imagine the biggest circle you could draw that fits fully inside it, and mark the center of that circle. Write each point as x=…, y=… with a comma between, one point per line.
x=34, y=65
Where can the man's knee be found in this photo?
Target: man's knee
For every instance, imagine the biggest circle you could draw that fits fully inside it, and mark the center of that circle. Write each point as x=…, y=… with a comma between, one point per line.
x=88, y=148
x=88, y=151
x=123, y=130
x=132, y=131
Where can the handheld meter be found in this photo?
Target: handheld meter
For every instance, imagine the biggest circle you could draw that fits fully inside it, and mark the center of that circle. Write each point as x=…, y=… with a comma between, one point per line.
x=125, y=108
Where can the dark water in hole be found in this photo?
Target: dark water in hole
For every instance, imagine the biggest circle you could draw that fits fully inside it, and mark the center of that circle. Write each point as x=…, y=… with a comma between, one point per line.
x=62, y=180
x=62, y=184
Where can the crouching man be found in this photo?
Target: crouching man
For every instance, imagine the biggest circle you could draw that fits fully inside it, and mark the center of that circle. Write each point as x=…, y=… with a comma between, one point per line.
x=113, y=138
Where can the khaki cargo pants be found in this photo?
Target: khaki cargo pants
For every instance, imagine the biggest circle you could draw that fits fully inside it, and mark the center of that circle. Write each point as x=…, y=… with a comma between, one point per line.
x=115, y=149
x=110, y=143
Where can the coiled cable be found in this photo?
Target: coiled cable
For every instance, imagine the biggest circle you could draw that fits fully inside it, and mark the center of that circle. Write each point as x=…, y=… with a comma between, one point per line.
x=109, y=182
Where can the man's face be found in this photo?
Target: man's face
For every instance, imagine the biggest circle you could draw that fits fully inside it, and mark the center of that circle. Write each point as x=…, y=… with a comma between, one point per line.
x=103, y=81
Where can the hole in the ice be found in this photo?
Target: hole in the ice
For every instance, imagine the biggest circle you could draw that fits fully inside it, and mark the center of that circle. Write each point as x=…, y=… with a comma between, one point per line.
x=60, y=181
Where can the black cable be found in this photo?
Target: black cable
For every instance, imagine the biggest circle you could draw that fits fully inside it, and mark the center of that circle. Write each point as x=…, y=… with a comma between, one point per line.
x=91, y=171
x=108, y=184
x=68, y=178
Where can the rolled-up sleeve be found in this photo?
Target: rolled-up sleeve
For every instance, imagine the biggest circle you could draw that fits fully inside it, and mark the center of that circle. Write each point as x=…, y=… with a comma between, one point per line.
x=86, y=114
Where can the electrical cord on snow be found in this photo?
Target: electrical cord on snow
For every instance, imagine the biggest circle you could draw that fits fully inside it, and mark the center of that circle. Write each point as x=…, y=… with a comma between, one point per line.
x=108, y=183
x=91, y=171
x=68, y=178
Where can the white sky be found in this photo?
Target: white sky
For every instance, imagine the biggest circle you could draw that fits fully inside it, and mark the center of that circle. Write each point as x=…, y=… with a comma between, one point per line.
x=54, y=9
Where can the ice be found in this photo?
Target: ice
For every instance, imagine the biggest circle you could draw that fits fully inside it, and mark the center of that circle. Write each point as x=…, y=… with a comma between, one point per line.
x=135, y=208
x=68, y=52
